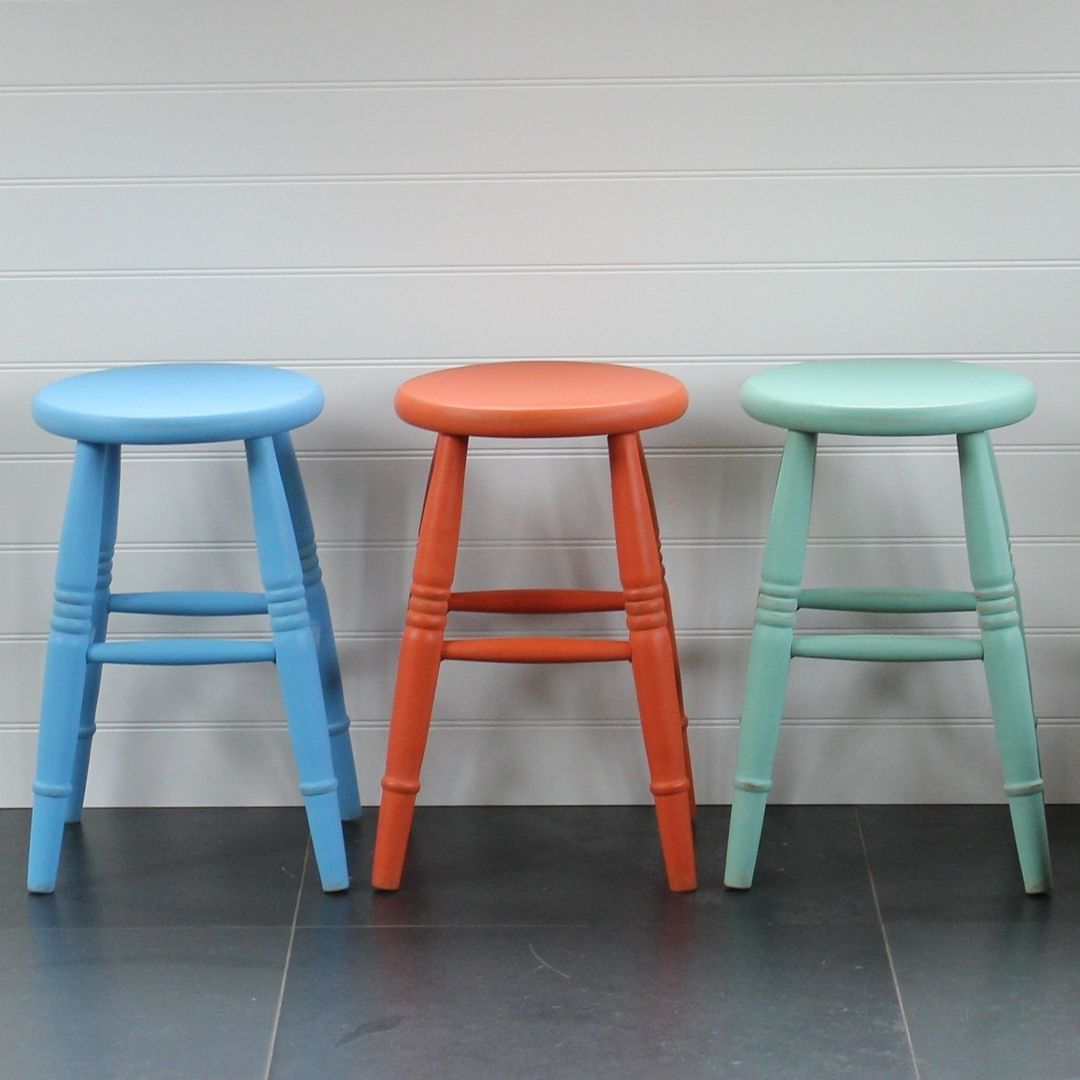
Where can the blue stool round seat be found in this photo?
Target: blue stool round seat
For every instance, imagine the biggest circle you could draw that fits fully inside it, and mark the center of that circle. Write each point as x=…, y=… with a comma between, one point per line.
x=189, y=403
x=178, y=403
x=888, y=397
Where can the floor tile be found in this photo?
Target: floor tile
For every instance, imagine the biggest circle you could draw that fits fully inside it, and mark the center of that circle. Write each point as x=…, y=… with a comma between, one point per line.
x=682, y=997
x=991, y=1000
x=595, y=865
x=989, y=976
x=959, y=863
x=162, y=867
x=138, y=1004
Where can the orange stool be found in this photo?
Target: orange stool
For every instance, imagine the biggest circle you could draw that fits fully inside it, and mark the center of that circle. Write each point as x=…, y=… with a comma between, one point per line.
x=541, y=399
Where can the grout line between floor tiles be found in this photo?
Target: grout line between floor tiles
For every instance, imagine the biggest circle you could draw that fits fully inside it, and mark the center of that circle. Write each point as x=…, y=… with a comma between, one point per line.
x=446, y=926
x=888, y=948
x=285, y=968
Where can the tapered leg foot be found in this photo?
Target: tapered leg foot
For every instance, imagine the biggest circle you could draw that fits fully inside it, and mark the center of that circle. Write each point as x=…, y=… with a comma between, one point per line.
x=298, y=672
x=763, y=706
x=327, y=842
x=392, y=840
x=1032, y=845
x=414, y=697
x=674, y=814
x=744, y=838
x=46, y=839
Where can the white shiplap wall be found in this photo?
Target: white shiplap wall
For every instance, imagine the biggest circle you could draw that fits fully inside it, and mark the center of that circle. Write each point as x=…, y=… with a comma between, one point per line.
x=364, y=191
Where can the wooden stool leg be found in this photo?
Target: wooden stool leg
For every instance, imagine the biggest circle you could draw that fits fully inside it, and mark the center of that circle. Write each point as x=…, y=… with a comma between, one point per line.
x=770, y=655
x=420, y=657
x=671, y=626
x=66, y=669
x=297, y=661
x=319, y=610
x=87, y=725
x=1004, y=655
x=652, y=659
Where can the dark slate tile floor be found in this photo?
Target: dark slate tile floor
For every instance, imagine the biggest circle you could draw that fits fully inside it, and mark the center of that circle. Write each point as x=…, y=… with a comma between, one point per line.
x=877, y=942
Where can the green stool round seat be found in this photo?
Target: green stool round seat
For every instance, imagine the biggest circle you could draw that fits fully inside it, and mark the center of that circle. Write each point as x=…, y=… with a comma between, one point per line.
x=888, y=397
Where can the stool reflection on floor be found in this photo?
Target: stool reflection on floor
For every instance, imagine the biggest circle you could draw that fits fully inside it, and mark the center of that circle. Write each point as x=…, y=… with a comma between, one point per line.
x=889, y=398
x=541, y=399
x=170, y=404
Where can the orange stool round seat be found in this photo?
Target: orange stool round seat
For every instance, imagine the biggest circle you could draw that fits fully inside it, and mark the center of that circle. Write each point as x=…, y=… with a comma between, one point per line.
x=541, y=399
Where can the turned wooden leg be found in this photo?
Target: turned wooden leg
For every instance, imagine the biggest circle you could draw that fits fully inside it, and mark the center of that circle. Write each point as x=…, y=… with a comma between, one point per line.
x=420, y=657
x=297, y=661
x=652, y=658
x=770, y=655
x=66, y=669
x=1004, y=655
x=319, y=610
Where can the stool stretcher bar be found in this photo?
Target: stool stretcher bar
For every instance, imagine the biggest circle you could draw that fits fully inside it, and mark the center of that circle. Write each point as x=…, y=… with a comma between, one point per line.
x=538, y=601
x=182, y=651
x=896, y=601
x=188, y=603
x=890, y=647
x=535, y=650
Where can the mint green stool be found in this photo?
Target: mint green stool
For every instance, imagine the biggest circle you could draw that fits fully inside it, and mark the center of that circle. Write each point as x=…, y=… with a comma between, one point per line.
x=889, y=397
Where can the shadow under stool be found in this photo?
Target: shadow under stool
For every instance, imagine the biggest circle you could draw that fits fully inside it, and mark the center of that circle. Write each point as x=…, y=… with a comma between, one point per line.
x=171, y=404
x=889, y=398
x=541, y=399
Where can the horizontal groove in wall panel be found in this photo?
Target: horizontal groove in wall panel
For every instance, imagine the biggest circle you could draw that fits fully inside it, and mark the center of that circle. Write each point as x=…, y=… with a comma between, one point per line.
x=579, y=314
x=528, y=177
x=544, y=695
x=512, y=82
x=703, y=221
x=534, y=270
x=294, y=273
x=337, y=40
x=713, y=588
x=521, y=129
x=372, y=362
x=546, y=498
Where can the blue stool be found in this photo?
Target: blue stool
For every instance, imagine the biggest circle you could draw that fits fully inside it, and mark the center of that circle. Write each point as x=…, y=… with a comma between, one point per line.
x=189, y=403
